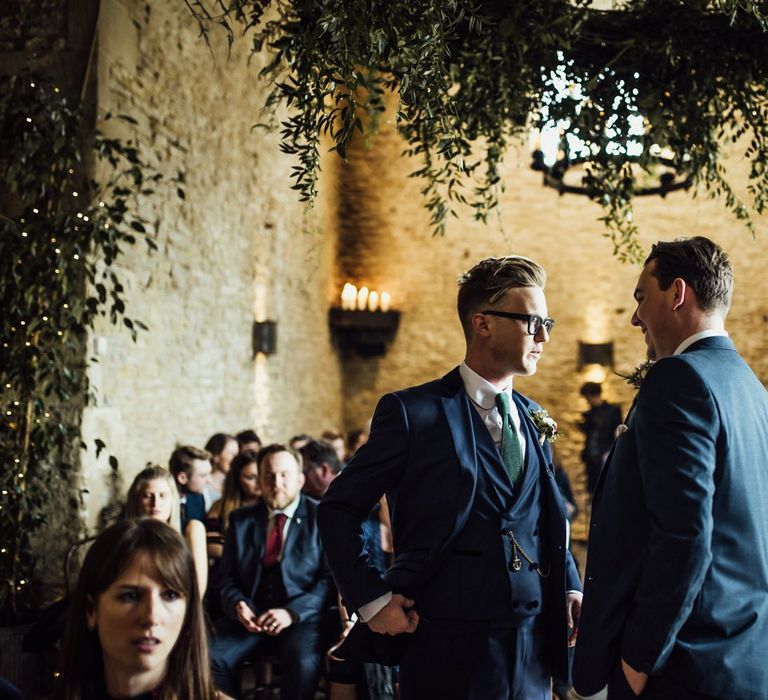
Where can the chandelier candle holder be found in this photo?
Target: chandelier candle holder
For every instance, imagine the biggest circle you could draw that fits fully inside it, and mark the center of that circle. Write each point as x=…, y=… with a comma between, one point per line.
x=364, y=322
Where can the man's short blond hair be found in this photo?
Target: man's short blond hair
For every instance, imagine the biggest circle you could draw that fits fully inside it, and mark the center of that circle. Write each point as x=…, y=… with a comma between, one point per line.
x=490, y=279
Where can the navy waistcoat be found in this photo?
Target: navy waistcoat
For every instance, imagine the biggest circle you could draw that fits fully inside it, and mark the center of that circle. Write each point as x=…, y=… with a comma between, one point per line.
x=477, y=580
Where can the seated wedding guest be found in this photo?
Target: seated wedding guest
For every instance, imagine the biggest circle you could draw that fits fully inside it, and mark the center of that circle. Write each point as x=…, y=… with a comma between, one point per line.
x=191, y=468
x=355, y=440
x=153, y=494
x=222, y=448
x=137, y=591
x=337, y=441
x=274, y=583
x=298, y=441
x=248, y=440
x=321, y=465
x=241, y=488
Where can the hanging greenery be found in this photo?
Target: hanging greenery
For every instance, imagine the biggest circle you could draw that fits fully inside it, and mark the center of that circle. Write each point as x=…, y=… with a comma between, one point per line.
x=61, y=233
x=471, y=75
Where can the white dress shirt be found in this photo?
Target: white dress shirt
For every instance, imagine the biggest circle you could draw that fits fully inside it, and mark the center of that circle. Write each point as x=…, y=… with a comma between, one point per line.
x=691, y=339
x=482, y=395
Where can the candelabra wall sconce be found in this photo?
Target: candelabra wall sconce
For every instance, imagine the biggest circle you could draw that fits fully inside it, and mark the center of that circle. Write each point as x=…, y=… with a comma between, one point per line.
x=264, y=337
x=365, y=322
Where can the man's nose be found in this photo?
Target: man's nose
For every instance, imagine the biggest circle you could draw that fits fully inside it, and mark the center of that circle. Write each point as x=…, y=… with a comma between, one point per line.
x=635, y=321
x=542, y=335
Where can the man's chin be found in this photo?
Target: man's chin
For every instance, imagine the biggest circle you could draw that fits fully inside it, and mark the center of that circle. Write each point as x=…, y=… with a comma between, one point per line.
x=277, y=503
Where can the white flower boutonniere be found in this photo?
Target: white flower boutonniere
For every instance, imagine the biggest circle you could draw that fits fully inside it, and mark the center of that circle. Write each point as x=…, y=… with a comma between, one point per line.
x=546, y=426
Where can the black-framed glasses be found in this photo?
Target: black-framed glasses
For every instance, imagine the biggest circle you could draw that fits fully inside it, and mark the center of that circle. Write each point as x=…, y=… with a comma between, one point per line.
x=535, y=322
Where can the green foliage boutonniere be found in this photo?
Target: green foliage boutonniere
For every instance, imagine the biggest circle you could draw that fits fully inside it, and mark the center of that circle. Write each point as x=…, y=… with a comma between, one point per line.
x=636, y=377
x=546, y=426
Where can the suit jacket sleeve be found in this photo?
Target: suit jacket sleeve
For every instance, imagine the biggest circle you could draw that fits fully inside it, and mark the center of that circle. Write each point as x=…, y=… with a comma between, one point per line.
x=231, y=589
x=676, y=424
x=373, y=471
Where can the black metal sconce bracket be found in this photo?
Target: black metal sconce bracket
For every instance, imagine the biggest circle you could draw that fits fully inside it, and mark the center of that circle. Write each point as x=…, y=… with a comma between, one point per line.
x=595, y=354
x=264, y=338
x=367, y=332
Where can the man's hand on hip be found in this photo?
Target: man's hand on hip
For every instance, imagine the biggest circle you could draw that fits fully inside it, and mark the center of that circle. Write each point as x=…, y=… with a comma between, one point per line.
x=396, y=617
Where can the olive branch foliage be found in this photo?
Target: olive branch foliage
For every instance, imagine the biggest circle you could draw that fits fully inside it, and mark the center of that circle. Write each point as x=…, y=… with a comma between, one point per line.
x=473, y=75
x=61, y=234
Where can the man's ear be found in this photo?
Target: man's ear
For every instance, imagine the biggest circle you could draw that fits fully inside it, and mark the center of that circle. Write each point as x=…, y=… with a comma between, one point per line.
x=681, y=289
x=480, y=324
x=182, y=478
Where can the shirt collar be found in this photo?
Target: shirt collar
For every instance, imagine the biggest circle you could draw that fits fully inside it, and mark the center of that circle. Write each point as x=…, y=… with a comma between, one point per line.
x=289, y=511
x=479, y=389
x=691, y=339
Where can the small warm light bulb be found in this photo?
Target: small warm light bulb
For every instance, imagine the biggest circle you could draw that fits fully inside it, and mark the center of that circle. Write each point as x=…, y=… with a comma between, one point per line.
x=348, y=296
x=386, y=300
x=362, y=298
x=373, y=301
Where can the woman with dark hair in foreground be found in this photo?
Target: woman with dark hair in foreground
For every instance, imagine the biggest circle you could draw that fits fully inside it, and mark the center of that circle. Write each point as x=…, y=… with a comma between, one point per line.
x=137, y=591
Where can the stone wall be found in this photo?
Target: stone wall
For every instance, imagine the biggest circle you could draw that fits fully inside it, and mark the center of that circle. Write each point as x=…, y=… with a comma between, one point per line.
x=239, y=248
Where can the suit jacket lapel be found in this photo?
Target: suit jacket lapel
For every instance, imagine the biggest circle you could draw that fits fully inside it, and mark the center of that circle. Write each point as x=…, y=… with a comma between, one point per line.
x=532, y=444
x=457, y=412
x=259, y=541
x=294, y=527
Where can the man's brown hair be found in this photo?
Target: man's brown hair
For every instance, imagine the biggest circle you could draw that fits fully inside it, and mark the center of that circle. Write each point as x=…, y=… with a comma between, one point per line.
x=701, y=263
x=183, y=458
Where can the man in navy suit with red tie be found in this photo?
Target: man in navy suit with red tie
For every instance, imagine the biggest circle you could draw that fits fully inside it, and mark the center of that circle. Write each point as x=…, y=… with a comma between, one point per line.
x=478, y=600
x=676, y=590
x=275, y=587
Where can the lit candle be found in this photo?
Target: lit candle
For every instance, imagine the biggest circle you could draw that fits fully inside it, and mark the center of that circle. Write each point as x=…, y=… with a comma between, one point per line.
x=373, y=301
x=385, y=301
x=362, y=298
x=348, y=296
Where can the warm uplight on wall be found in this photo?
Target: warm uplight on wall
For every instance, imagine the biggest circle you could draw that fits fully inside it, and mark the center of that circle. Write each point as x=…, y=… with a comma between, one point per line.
x=595, y=359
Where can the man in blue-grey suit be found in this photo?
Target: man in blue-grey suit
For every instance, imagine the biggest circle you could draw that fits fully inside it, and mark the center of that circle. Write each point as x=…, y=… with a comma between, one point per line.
x=482, y=590
x=676, y=594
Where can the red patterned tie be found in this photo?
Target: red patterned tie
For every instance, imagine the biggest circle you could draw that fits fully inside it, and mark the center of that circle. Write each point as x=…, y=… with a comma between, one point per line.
x=275, y=541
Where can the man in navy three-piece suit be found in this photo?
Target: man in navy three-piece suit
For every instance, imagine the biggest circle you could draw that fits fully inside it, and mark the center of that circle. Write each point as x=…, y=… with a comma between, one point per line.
x=482, y=591
x=676, y=590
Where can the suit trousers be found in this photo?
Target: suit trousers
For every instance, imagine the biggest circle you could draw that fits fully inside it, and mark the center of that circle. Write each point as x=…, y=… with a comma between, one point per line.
x=461, y=660
x=658, y=688
x=299, y=649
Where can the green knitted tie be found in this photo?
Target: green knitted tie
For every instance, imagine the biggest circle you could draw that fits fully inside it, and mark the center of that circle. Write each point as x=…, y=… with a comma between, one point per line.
x=510, y=445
